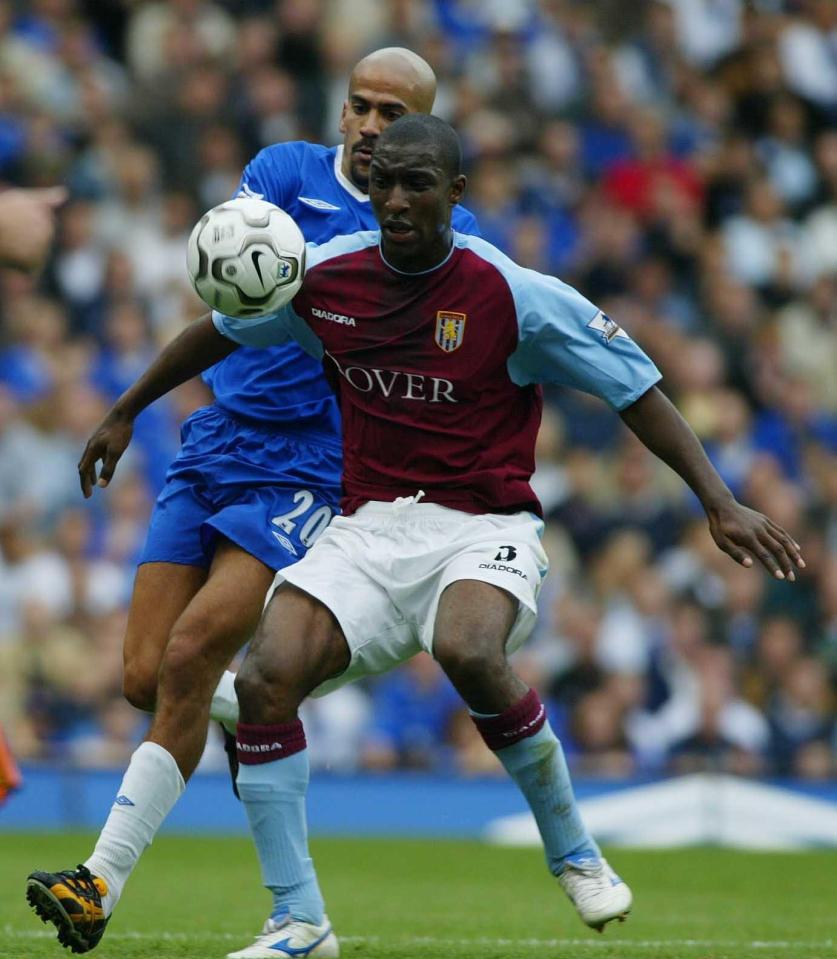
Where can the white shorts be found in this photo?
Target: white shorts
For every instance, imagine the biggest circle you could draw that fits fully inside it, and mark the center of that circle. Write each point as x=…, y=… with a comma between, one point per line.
x=382, y=571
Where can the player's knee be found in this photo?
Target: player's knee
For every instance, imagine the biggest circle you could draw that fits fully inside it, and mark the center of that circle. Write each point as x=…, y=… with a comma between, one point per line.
x=184, y=661
x=266, y=694
x=139, y=686
x=468, y=661
x=269, y=686
x=250, y=686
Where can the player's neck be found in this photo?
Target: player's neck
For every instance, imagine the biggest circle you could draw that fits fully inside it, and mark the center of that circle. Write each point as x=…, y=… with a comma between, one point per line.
x=418, y=261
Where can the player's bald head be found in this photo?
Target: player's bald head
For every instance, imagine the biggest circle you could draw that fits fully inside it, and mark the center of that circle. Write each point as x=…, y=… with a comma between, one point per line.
x=399, y=71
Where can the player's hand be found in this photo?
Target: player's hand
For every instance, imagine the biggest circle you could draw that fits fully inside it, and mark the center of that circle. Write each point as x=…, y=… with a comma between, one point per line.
x=748, y=536
x=107, y=445
x=27, y=225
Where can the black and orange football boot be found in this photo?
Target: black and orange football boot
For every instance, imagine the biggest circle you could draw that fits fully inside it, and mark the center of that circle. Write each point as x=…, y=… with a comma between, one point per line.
x=72, y=902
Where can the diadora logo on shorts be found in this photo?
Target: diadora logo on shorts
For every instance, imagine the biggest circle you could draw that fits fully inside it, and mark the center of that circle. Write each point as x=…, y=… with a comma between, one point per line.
x=504, y=555
x=333, y=317
x=258, y=747
x=123, y=801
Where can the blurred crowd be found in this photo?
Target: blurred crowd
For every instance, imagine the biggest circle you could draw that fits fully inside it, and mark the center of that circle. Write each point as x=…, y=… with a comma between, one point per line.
x=676, y=161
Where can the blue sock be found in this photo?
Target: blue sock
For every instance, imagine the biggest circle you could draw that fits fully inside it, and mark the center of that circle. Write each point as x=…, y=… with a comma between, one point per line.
x=273, y=794
x=538, y=766
x=532, y=755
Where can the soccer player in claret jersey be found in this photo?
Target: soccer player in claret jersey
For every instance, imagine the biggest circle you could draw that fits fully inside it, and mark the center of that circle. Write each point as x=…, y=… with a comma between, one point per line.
x=257, y=478
x=437, y=368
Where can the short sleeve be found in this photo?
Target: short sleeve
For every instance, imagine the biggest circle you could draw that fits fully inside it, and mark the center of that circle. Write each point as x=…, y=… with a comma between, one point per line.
x=564, y=339
x=272, y=175
x=271, y=330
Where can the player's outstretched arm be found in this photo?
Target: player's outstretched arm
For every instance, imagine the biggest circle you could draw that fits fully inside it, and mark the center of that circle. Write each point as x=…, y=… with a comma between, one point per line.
x=739, y=531
x=194, y=350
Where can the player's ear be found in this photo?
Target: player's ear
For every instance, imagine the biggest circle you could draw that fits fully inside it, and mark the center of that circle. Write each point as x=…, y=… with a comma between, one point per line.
x=343, y=112
x=457, y=189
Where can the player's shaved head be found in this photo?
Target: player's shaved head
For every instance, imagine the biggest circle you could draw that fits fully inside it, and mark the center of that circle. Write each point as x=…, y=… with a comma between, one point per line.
x=384, y=86
x=422, y=130
x=400, y=70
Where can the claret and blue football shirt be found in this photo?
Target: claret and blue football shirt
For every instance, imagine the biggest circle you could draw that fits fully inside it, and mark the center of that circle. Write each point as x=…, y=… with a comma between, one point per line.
x=438, y=372
x=285, y=388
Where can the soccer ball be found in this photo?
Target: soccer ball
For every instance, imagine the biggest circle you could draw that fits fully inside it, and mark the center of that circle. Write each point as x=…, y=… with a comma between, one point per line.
x=246, y=258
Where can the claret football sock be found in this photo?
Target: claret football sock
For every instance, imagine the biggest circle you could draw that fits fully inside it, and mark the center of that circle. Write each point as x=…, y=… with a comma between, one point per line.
x=272, y=783
x=532, y=755
x=224, y=705
x=151, y=786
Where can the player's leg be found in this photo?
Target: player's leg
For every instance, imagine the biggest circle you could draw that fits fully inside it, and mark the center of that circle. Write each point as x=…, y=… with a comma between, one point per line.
x=215, y=624
x=220, y=618
x=474, y=621
x=330, y=623
x=298, y=646
x=174, y=565
x=162, y=591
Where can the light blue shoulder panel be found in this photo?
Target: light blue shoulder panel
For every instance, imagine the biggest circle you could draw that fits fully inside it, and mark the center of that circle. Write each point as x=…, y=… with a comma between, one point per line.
x=276, y=328
x=564, y=339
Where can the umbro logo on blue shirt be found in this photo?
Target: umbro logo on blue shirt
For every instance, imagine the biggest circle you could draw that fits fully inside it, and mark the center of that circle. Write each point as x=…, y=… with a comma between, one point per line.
x=317, y=204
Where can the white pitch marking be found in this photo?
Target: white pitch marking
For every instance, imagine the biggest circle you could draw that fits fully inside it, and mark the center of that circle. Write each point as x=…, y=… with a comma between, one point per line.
x=476, y=941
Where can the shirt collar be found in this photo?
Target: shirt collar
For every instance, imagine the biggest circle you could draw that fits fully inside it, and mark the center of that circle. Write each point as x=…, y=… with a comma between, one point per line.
x=431, y=269
x=344, y=181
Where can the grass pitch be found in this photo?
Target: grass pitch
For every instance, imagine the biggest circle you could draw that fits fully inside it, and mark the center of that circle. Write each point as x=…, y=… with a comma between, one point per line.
x=198, y=898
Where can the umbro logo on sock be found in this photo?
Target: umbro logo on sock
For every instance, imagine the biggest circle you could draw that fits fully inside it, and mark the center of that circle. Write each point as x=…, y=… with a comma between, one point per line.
x=123, y=801
x=258, y=747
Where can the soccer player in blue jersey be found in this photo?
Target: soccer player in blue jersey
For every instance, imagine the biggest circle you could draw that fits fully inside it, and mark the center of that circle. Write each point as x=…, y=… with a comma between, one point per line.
x=256, y=480
x=439, y=545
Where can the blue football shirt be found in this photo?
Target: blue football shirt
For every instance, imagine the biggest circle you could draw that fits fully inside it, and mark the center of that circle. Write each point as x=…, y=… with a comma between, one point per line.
x=283, y=386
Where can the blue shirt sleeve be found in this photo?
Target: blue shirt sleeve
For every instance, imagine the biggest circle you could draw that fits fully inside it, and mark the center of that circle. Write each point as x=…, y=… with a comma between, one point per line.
x=272, y=175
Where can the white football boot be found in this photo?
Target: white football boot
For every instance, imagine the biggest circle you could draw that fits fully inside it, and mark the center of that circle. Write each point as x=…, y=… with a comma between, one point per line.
x=290, y=937
x=597, y=893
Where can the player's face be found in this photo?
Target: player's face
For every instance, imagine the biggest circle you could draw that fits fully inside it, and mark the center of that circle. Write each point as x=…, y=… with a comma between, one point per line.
x=413, y=198
x=375, y=101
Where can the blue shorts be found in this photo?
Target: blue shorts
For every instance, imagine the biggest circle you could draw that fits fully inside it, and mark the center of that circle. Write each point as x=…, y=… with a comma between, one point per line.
x=270, y=493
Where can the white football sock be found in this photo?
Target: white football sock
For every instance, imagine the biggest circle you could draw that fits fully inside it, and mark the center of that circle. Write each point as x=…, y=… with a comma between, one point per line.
x=151, y=786
x=224, y=705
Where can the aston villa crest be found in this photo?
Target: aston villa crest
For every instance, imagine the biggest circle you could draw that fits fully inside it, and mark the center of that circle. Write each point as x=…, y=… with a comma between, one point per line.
x=450, y=330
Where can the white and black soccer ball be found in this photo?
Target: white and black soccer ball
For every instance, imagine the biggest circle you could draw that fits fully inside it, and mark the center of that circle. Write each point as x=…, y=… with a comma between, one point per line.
x=246, y=257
